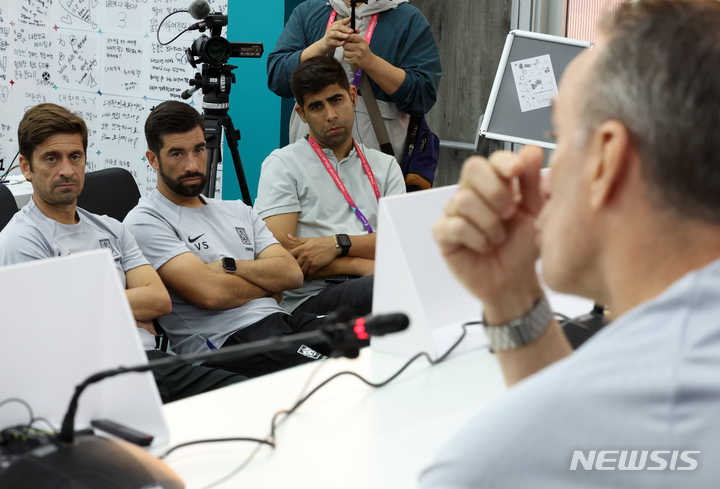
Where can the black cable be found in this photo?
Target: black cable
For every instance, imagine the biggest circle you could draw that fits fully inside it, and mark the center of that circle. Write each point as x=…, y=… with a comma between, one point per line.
x=161, y=23
x=24, y=403
x=288, y=412
x=214, y=440
x=270, y=440
x=10, y=167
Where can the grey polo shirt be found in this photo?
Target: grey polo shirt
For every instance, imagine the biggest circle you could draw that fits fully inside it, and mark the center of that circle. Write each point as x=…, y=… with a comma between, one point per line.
x=648, y=382
x=31, y=235
x=293, y=179
x=221, y=228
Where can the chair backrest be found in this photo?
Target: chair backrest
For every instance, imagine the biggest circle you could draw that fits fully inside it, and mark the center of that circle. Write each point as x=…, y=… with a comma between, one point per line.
x=8, y=206
x=112, y=192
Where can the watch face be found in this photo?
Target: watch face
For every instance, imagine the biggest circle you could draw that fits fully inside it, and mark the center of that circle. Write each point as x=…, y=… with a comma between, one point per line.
x=344, y=241
x=229, y=264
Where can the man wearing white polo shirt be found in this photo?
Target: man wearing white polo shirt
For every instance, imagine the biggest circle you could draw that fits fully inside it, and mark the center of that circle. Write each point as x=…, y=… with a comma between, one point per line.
x=319, y=196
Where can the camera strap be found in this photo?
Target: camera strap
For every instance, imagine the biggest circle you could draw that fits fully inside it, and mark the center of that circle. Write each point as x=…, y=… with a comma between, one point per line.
x=341, y=186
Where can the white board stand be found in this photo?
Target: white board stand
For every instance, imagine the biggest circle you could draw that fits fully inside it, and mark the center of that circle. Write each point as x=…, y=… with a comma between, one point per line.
x=411, y=276
x=63, y=320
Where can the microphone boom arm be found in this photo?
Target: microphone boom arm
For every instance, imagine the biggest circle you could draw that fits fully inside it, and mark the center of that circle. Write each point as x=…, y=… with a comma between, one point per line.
x=342, y=337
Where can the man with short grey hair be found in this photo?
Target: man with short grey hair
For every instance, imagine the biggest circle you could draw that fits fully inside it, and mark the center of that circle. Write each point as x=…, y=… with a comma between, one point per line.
x=631, y=219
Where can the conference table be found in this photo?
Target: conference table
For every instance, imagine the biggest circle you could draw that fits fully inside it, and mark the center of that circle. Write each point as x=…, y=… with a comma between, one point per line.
x=348, y=435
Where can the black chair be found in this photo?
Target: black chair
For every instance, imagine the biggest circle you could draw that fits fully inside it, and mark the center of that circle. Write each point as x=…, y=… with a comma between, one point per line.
x=8, y=206
x=111, y=192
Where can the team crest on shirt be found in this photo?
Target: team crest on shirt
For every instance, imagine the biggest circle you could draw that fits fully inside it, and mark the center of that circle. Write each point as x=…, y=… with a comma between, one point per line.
x=243, y=236
x=105, y=244
x=306, y=351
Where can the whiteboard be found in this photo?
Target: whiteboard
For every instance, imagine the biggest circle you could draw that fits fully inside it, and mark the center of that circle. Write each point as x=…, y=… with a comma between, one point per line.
x=518, y=111
x=100, y=59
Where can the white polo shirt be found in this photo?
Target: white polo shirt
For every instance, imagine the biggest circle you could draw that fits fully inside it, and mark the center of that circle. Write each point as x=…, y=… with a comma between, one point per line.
x=293, y=179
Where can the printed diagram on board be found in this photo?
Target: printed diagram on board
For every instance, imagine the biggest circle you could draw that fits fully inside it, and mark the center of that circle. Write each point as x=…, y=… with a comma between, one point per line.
x=79, y=13
x=535, y=82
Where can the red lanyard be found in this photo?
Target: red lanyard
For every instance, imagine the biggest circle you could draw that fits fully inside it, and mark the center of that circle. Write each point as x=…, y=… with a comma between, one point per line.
x=368, y=37
x=340, y=185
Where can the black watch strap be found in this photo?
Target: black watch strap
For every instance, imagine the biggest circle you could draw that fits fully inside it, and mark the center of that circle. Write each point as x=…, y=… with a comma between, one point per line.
x=344, y=243
x=229, y=264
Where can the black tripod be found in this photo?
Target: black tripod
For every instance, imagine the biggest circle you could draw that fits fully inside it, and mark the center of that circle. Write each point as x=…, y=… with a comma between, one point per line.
x=216, y=102
x=353, y=6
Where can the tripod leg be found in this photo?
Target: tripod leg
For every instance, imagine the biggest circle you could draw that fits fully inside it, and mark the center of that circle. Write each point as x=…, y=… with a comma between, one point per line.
x=232, y=141
x=213, y=136
x=213, y=158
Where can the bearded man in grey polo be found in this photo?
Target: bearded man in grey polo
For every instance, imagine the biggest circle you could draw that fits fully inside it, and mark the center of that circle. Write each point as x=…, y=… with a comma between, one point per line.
x=224, y=270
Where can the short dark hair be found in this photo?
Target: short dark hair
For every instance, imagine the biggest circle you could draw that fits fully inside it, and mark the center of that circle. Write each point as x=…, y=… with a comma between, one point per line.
x=45, y=120
x=659, y=74
x=170, y=117
x=315, y=74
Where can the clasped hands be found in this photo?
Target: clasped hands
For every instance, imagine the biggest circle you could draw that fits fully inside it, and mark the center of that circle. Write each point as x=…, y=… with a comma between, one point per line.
x=312, y=254
x=357, y=53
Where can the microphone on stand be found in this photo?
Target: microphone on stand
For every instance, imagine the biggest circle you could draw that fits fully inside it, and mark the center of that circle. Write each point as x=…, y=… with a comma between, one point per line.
x=94, y=462
x=199, y=9
x=342, y=336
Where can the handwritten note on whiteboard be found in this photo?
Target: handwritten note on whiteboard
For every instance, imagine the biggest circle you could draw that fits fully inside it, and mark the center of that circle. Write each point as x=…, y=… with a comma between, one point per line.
x=4, y=51
x=125, y=17
x=33, y=12
x=78, y=14
x=123, y=66
x=169, y=71
x=33, y=57
x=25, y=96
x=121, y=123
x=86, y=106
x=7, y=125
x=77, y=60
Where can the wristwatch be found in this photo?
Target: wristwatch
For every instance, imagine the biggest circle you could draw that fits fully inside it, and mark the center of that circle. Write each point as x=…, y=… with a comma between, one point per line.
x=343, y=244
x=520, y=331
x=229, y=264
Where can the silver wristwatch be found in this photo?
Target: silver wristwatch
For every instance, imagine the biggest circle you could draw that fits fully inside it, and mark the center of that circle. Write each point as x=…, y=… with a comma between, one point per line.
x=520, y=331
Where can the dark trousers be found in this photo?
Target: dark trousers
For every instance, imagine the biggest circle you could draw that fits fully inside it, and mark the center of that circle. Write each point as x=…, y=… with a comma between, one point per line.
x=182, y=380
x=278, y=324
x=355, y=294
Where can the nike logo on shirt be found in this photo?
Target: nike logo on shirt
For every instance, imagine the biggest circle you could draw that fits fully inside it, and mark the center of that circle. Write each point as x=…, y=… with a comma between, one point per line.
x=192, y=240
